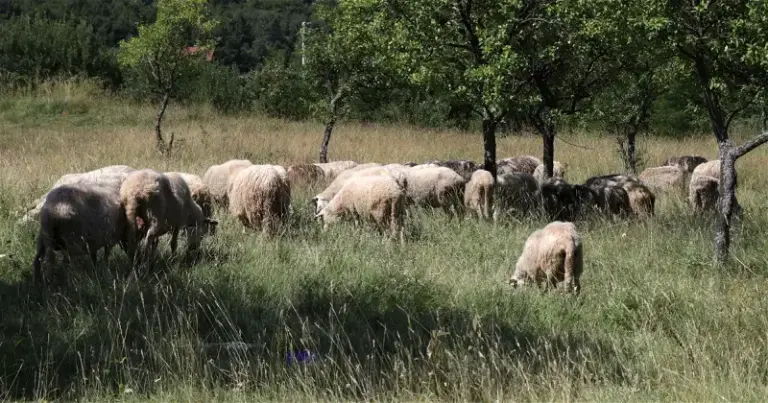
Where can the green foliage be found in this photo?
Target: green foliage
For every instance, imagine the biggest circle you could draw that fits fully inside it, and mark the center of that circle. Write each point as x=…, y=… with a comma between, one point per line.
x=283, y=92
x=159, y=52
x=33, y=49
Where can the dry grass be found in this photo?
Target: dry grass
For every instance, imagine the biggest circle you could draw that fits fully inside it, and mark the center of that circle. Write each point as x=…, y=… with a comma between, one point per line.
x=655, y=321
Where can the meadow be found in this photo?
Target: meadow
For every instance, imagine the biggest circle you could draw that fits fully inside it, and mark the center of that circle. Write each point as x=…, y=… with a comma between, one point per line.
x=432, y=320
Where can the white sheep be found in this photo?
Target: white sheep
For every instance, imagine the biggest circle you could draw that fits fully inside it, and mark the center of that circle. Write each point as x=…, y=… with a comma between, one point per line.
x=332, y=169
x=156, y=204
x=323, y=198
x=218, y=178
x=664, y=178
x=703, y=193
x=78, y=220
x=438, y=187
x=376, y=198
x=710, y=168
x=260, y=197
x=558, y=171
x=107, y=179
x=306, y=174
x=551, y=255
x=478, y=194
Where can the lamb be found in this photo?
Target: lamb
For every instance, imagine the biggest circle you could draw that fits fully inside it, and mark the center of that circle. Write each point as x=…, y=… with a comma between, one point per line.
x=515, y=192
x=558, y=171
x=332, y=169
x=438, y=187
x=703, y=193
x=260, y=197
x=377, y=198
x=156, y=204
x=686, y=162
x=107, y=178
x=218, y=178
x=664, y=178
x=478, y=194
x=524, y=163
x=554, y=253
x=201, y=193
x=305, y=173
x=711, y=169
x=78, y=220
x=323, y=198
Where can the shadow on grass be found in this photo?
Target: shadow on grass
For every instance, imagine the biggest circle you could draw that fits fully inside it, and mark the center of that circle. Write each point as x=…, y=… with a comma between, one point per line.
x=106, y=333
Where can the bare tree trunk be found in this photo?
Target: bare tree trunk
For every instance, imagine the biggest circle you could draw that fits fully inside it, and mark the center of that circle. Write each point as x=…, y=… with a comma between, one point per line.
x=727, y=191
x=489, y=144
x=326, y=139
x=546, y=127
x=632, y=151
x=160, y=144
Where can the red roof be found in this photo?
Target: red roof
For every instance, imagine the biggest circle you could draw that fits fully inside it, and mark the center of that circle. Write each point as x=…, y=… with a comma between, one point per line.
x=191, y=50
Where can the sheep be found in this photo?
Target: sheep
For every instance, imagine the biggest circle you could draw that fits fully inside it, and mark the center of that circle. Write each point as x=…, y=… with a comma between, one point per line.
x=686, y=162
x=664, y=178
x=107, y=178
x=218, y=178
x=516, y=192
x=323, y=198
x=641, y=199
x=260, y=197
x=524, y=163
x=711, y=169
x=554, y=253
x=78, y=220
x=155, y=204
x=377, y=198
x=478, y=194
x=612, y=200
x=566, y=202
x=558, y=171
x=438, y=187
x=305, y=173
x=703, y=193
x=465, y=168
x=610, y=180
x=200, y=192
x=332, y=169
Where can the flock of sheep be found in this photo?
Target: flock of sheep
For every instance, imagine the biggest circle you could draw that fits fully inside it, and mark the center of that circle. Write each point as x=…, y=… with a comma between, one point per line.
x=119, y=205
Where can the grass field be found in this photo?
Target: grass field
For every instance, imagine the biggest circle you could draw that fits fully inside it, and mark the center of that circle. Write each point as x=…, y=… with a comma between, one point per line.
x=430, y=320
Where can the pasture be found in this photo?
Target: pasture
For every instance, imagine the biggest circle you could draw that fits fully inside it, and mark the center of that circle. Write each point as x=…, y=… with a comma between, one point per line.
x=432, y=320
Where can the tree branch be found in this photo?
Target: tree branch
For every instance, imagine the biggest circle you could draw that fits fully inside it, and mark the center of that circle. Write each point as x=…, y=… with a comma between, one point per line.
x=750, y=145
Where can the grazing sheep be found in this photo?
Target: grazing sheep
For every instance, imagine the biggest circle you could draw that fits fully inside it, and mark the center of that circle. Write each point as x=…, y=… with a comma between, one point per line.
x=524, y=163
x=107, y=178
x=305, y=174
x=565, y=202
x=332, y=169
x=378, y=198
x=156, y=204
x=201, y=193
x=553, y=253
x=610, y=180
x=612, y=200
x=641, y=199
x=260, y=197
x=478, y=194
x=664, y=178
x=703, y=193
x=78, y=220
x=218, y=178
x=439, y=187
x=321, y=200
x=711, y=169
x=465, y=168
x=515, y=192
x=558, y=171
x=686, y=162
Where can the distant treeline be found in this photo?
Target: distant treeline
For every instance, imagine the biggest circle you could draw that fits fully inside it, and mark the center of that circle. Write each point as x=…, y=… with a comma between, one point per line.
x=257, y=62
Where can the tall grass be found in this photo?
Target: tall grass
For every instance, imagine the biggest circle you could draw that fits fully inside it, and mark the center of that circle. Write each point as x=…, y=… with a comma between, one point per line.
x=430, y=320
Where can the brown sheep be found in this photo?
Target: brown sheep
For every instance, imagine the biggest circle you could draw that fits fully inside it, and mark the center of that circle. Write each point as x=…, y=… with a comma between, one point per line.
x=524, y=163
x=218, y=178
x=553, y=253
x=305, y=174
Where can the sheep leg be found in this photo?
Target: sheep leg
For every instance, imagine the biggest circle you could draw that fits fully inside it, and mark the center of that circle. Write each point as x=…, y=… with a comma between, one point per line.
x=37, y=262
x=174, y=239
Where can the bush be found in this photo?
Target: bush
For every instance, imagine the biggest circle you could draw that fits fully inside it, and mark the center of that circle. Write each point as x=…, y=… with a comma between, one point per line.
x=284, y=93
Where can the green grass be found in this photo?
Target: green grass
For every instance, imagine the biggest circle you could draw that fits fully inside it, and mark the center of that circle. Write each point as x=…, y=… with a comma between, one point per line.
x=430, y=320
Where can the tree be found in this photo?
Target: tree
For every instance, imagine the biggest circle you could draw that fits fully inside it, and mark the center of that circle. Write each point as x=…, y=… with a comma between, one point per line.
x=342, y=61
x=166, y=50
x=723, y=45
